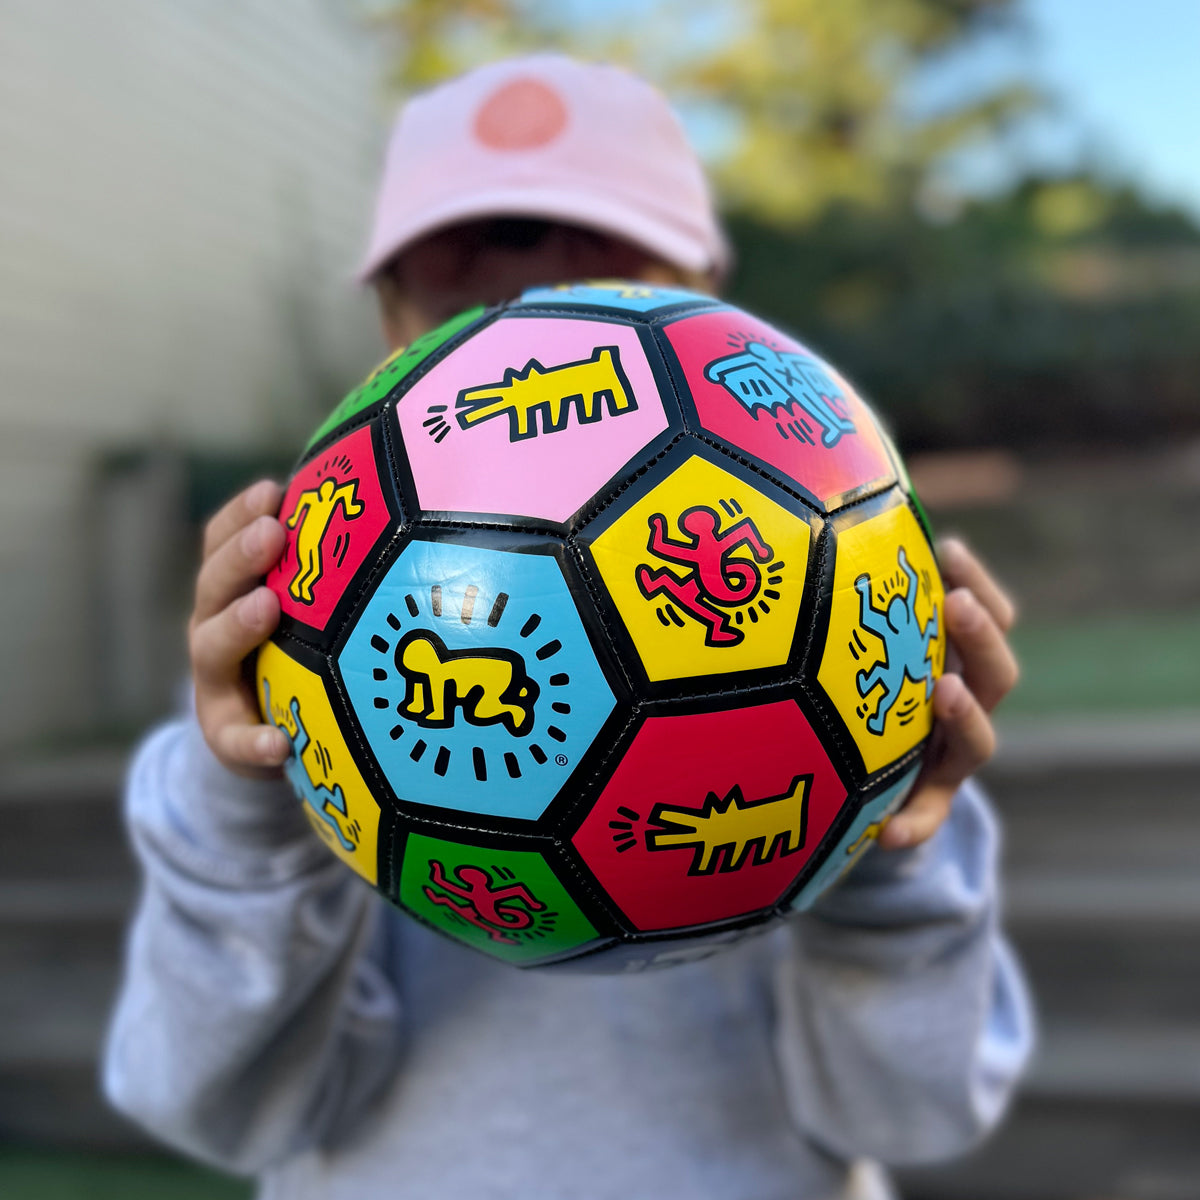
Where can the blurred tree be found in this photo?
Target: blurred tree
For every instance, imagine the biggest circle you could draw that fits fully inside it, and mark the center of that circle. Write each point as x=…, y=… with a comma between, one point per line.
x=1062, y=312
x=806, y=103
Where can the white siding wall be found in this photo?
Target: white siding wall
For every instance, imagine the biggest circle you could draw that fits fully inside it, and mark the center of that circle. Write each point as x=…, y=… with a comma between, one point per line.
x=184, y=189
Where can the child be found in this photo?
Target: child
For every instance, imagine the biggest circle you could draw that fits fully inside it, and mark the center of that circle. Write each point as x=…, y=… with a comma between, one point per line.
x=278, y=1019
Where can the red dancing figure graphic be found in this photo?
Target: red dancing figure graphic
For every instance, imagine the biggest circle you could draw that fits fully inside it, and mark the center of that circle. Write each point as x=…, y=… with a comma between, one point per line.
x=714, y=577
x=488, y=908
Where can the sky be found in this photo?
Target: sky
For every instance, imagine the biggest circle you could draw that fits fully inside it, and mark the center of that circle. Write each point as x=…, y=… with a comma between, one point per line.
x=1126, y=78
x=1131, y=68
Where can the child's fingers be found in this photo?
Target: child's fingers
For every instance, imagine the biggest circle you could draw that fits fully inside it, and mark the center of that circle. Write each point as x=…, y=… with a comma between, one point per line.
x=919, y=819
x=964, y=741
x=236, y=565
x=219, y=644
x=259, y=499
x=249, y=746
x=988, y=666
x=960, y=568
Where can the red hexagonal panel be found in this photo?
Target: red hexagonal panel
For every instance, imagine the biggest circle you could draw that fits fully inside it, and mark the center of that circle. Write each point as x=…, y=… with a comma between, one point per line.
x=766, y=394
x=334, y=513
x=711, y=816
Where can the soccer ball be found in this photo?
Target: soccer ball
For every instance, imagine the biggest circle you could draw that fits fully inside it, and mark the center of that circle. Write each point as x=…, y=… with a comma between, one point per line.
x=609, y=627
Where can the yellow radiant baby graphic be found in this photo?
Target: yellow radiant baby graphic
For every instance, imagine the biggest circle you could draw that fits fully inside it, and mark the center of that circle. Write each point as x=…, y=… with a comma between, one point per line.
x=491, y=688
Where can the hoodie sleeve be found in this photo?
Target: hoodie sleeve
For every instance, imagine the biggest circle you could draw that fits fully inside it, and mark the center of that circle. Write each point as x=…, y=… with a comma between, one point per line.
x=257, y=1015
x=903, y=1020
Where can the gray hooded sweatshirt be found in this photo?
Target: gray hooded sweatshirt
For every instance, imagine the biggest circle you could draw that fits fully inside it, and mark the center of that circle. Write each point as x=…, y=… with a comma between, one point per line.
x=278, y=1019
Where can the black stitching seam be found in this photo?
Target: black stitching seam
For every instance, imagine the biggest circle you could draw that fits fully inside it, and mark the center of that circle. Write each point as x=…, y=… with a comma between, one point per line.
x=845, y=818
x=780, y=482
x=414, y=375
x=596, y=312
x=462, y=522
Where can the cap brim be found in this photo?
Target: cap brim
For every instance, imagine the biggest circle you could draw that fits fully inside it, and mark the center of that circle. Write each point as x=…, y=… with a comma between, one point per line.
x=592, y=212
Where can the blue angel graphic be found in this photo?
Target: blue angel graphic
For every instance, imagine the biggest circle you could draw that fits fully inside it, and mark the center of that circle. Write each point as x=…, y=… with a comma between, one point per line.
x=760, y=377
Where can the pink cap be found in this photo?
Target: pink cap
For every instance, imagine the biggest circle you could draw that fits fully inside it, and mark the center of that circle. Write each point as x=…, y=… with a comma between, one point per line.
x=547, y=136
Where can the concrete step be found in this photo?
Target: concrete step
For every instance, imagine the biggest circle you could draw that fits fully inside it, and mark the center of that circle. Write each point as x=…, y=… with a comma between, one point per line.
x=59, y=1105
x=1119, y=1063
x=1055, y=1149
x=87, y=902
x=63, y=977
x=1102, y=739
x=1092, y=975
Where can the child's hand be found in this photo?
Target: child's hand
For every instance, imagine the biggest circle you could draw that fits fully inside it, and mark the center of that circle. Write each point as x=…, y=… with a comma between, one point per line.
x=981, y=671
x=233, y=614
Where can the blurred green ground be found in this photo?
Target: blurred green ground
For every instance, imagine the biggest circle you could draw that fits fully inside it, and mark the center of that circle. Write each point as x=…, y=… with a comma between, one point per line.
x=56, y=1175
x=1108, y=663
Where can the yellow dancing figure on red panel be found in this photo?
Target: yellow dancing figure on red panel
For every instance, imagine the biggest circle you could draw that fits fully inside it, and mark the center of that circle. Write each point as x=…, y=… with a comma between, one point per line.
x=313, y=512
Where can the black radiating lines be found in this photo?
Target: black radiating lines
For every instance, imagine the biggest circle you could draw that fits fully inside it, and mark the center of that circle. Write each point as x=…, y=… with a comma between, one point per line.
x=497, y=609
x=468, y=604
x=623, y=836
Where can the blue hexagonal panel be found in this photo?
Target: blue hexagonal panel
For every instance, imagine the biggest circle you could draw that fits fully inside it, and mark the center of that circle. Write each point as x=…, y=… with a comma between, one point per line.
x=864, y=831
x=618, y=294
x=472, y=678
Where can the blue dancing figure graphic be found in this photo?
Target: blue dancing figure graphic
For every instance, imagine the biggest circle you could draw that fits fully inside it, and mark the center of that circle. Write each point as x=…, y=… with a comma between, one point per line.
x=329, y=805
x=907, y=648
x=760, y=377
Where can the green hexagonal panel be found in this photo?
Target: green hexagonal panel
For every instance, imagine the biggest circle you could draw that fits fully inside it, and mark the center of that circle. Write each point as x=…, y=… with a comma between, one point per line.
x=393, y=369
x=507, y=903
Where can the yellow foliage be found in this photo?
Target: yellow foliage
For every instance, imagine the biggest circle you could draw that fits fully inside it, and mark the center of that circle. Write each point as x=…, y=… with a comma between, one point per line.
x=1069, y=208
x=813, y=88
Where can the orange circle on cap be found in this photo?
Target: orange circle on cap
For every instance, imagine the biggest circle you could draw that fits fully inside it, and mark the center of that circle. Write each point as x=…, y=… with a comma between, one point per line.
x=521, y=115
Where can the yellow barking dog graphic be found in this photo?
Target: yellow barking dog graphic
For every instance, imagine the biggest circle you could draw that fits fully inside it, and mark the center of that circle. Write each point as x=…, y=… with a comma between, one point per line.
x=727, y=831
x=551, y=391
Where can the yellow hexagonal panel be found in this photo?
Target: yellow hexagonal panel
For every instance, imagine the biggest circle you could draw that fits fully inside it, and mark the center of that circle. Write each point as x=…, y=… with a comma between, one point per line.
x=886, y=644
x=336, y=801
x=707, y=574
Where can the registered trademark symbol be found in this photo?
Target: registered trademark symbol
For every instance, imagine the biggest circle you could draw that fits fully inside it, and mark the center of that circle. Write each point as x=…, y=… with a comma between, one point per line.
x=561, y=759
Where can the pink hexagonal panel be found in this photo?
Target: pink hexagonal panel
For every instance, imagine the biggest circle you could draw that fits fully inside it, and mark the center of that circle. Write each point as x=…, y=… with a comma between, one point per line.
x=530, y=417
x=766, y=394
x=711, y=816
x=334, y=513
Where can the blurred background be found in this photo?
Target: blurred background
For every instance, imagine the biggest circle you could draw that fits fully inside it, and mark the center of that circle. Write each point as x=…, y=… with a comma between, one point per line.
x=987, y=212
